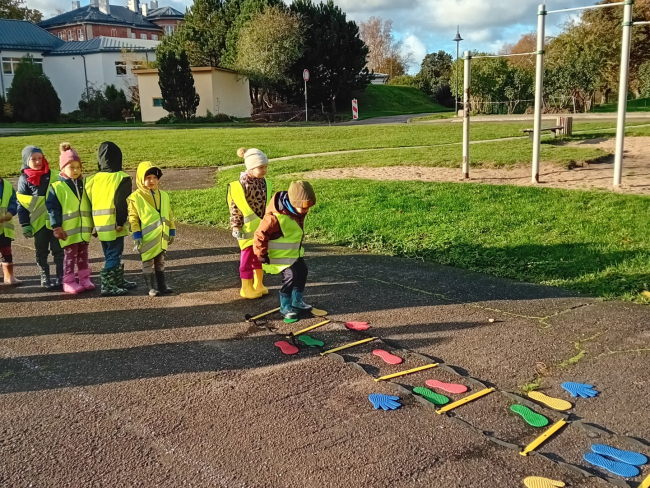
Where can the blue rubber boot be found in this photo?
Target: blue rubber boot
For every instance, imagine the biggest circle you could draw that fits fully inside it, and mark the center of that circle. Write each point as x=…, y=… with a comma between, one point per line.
x=285, y=307
x=297, y=301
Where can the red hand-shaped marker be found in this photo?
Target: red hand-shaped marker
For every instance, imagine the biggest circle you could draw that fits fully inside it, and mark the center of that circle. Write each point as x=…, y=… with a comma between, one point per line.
x=448, y=387
x=387, y=357
x=357, y=325
x=287, y=348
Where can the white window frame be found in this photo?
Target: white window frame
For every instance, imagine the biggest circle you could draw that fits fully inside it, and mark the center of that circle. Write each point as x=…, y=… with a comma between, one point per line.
x=154, y=37
x=12, y=63
x=70, y=35
x=113, y=32
x=62, y=35
x=120, y=66
x=169, y=30
x=80, y=35
x=143, y=37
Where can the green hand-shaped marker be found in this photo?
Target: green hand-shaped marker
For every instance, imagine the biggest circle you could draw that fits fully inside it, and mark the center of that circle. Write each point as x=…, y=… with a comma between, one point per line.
x=310, y=341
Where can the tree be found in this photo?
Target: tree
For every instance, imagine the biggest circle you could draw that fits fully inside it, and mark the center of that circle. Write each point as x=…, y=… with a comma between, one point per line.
x=2, y=109
x=32, y=96
x=527, y=43
x=434, y=76
x=269, y=44
x=644, y=79
x=177, y=85
x=385, y=53
x=15, y=9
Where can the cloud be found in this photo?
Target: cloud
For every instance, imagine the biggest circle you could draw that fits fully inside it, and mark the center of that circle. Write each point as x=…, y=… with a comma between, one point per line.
x=412, y=44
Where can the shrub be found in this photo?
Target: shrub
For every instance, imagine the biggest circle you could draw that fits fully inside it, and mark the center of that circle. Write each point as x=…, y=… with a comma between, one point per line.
x=32, y=96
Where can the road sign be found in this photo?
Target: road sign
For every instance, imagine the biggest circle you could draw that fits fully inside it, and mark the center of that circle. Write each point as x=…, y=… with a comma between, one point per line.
x=355, y=110
x=305, y=75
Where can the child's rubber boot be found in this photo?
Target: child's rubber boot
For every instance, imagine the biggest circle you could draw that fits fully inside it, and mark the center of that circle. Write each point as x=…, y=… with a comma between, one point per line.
x=297, y=301
x=150, y=282
x=121, y=282
x=248, y=290
x=84, y=279
x=45, y=277
x=70, y=285
x=10, y=279
x=58, y=282
x=109, y=283
x=258, y=282
x=162, y=284
x=286, y=310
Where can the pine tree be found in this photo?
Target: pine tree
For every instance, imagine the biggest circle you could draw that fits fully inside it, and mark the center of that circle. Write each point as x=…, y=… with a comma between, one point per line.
x=32, y=96
x=177, y=85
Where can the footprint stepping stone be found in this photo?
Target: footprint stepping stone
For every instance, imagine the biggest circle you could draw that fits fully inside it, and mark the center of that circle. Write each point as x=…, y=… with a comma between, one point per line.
x=432, y=396
x=387, y=357
x=448, y=387
x=539, y=482
x=616, y=467
x=290, y=321
x=530, y=417
x=357, y=325
x=310, y=341
x=627, y=457
x=318, y=313
x=551, y=402
x=287, y=348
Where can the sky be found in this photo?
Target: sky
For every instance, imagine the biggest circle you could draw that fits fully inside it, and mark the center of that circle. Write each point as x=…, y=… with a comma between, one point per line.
x=426, y=25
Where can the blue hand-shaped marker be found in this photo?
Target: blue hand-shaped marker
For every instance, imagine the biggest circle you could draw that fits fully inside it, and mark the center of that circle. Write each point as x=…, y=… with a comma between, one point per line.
x=387, y=402
x=580, y=389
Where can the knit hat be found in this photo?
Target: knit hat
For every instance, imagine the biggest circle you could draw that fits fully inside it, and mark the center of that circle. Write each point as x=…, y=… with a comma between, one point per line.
x=253, y=158
x=67, y=155
x=301, y=194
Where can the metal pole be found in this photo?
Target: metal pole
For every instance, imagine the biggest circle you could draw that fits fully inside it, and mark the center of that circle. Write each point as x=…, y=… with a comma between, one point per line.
x=466, y=83
x=539, y=91
x=306, y=112
x=622, y=91
x=457, y=75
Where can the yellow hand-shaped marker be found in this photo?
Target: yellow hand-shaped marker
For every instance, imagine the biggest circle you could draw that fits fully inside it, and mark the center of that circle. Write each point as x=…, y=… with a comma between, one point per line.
x=538, y=482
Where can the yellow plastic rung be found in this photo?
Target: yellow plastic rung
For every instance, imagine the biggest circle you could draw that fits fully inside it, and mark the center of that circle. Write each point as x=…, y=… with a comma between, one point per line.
x=348, y=345
x=263, y=314
x=645, y=483
x=309, y=328
x=543, y=438
x=465, y=400
x=408, y=371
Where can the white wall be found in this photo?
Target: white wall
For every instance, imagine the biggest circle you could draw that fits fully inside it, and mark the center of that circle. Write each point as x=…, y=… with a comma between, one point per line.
x=8, y=79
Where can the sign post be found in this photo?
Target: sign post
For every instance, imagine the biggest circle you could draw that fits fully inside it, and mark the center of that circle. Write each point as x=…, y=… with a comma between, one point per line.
x=305, y=76
x=355, y=109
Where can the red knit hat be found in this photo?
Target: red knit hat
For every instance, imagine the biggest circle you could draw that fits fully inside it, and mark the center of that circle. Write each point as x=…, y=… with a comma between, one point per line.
x=67, y=155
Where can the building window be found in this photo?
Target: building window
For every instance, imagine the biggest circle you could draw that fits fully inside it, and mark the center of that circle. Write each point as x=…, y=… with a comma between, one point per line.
x=143, y=36
x=169, y=30
x=120, y=68
x=154, y=37
x=70, y=36
x=80, y=35
x=9, y=65
x=113, y=32
x=62, y=35
x=133, y=35
x=157, y=102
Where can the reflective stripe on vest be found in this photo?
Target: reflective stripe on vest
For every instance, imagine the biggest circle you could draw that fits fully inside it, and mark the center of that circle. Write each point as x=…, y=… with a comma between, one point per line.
x=6, y=228
x=35, y=205
x=77, y=221
x=286, y=250
x=154, y=225
x=101, y=189
x=237, y=194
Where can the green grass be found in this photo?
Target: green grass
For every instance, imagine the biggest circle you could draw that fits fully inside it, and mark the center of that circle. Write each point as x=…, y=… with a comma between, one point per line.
x=386, y=100
x=445, y=115
x=638, y=105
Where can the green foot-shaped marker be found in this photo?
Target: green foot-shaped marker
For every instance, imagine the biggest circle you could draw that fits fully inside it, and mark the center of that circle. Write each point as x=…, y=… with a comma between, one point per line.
x=290, y=321
x=310, y=341
x=530, y=417
x=433, y=397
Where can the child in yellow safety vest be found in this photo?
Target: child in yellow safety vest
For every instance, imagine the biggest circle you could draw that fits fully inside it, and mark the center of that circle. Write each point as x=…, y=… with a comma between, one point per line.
x=71, y=219
x=8, y=208
x=247, y=199
x=152, y=223
x=278, y=244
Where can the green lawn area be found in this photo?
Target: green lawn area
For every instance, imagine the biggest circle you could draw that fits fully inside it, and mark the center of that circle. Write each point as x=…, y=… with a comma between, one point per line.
x=385, y=100
x=593, y=242
x=638, y=105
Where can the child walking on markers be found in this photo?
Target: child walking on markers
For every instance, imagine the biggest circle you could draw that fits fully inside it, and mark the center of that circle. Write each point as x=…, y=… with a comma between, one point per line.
x=71, y=219
x=152, y=223
x=33, y=188
x=248, y=199
x=278, y=244
x=107, y=191
x=8, y=208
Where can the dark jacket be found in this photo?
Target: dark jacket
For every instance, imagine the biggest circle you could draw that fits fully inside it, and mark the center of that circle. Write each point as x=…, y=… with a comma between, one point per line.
x=54, y=208
x=109, y=160
x=12, y=208
x=26, y=188
x=269, y=229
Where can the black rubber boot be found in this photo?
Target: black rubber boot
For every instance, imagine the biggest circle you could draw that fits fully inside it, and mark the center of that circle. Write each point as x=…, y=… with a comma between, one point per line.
x=58, y=282
x=45, y=277
x=150, y=282
x=162, y=286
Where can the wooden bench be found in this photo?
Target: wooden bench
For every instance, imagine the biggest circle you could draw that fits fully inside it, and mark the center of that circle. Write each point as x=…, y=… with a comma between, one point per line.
x=126, y=119
x=554, y=130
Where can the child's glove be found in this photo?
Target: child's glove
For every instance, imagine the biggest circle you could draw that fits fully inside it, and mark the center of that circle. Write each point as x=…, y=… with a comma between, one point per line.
x=60, y=234
x=28, y=231
x=94, y=232
x=237, y=234
x=7, y=217
x=264, y=259
x=138, y=243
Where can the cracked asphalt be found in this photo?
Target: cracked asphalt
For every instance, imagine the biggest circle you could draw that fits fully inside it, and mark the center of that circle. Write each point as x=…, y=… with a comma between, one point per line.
x=181, y=391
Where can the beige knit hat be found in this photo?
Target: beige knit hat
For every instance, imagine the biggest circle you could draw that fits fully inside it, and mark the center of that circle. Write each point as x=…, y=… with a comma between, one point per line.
x=253, y=158
x=301, y=194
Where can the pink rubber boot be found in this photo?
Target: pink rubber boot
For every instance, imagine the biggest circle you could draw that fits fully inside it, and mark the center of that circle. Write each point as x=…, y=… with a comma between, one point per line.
x=70, y=285
x=84, y=279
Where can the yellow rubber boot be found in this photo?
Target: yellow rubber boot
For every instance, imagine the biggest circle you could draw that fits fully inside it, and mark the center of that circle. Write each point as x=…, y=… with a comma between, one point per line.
x=248, y=291
x=259, y=286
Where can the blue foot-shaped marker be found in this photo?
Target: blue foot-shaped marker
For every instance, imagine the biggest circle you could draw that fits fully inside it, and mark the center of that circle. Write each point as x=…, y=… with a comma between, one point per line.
x=580, y=389
x=618, y=468
x=627, y=457
x=387, y=402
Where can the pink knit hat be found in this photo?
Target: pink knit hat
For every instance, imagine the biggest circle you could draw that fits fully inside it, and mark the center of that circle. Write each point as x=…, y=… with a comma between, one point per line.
x=67, y=155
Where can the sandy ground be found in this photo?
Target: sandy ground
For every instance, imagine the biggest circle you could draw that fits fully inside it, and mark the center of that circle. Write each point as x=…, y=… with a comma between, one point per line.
x=636, y=171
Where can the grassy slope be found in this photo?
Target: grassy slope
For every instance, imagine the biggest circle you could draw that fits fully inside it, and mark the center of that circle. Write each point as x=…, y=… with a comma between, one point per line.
x=639, y=105
x=385, y=100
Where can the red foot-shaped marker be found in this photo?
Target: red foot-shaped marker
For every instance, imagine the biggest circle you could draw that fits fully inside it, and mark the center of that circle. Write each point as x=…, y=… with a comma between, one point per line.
x=448, y=387
x=357, y=325
x=387, y=357
x=287, y=348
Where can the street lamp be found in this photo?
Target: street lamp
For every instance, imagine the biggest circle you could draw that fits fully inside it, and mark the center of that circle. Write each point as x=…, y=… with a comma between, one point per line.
x=457, y=41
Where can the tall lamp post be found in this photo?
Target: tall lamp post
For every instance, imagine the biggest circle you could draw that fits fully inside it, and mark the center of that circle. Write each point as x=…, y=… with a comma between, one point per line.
x=457, y=41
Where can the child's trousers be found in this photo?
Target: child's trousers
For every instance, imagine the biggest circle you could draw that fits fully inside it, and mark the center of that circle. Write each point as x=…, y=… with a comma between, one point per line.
x=75, y=254
x=113, y=251
x=294, y=277
x=156, y=264
x=44, y=242
x=6, y=255
x=248, y=263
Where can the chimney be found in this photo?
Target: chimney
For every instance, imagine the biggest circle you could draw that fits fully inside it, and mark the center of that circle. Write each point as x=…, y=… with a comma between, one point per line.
x=104, y=7
x=94, y=3
x=134, y=6
x=153, y=4
x=143, y=7
x=76, y=5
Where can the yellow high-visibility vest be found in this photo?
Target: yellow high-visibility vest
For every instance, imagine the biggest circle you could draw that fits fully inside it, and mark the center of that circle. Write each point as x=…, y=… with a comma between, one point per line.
x=101, y=188
x=286, y=250
x=6, y=228
x=77, y=219
x=237, y=194
x=36, y=206
x=154, y=225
